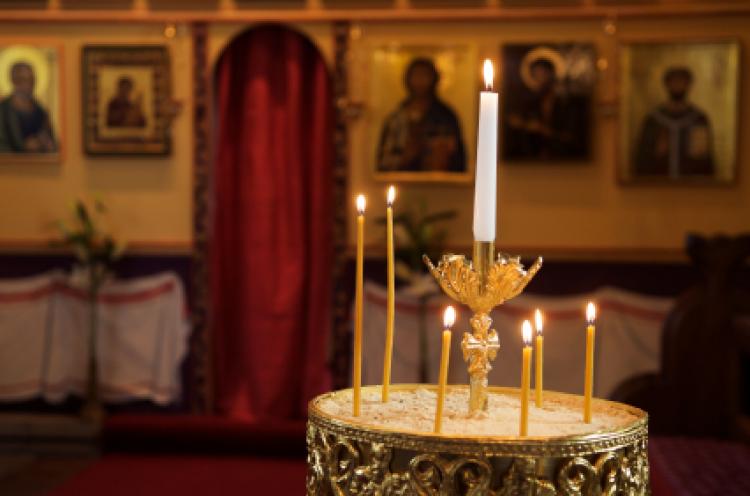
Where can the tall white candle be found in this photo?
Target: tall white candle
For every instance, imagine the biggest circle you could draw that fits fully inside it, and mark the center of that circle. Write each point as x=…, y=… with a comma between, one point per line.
x=485, y=186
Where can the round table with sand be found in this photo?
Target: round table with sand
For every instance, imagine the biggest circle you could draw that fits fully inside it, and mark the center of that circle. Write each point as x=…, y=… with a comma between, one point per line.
x=391, y=447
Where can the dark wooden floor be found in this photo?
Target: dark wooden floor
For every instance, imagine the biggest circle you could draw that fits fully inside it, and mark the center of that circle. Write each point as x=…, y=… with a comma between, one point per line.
x=40, y=451
x=32, y=475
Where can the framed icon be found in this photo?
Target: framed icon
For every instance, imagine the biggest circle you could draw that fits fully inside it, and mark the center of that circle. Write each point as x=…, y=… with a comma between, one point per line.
x=679, y=111
x=422, y=109
x=31, y=102
x=126, y=100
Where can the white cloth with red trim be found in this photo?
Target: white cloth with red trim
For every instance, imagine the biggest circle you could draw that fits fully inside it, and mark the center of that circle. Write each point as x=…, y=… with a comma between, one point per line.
x=44, y=326
x=628, y=338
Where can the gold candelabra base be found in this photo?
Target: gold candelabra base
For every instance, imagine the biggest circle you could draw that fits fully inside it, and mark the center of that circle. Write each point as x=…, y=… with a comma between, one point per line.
x=481, y=284
x=352, y=457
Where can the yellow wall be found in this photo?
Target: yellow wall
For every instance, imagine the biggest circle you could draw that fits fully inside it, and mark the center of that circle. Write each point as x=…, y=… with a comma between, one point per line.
x=570, y=207
x=149, y=198
x=545, y=208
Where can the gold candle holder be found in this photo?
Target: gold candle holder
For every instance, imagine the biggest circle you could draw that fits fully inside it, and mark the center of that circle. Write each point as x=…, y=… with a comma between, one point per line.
x=481, y=284
x=351, y=457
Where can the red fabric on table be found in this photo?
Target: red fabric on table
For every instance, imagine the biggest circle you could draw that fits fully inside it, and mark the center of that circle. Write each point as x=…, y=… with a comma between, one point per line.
x=698, y=467
x=270, y=244
x=126, y=475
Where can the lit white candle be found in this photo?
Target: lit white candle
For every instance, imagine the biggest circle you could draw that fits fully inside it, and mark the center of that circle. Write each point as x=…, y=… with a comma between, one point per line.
x=485, y=186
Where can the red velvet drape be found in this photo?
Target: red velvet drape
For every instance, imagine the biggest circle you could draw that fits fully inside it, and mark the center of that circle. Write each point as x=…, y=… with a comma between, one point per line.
x=270, y=247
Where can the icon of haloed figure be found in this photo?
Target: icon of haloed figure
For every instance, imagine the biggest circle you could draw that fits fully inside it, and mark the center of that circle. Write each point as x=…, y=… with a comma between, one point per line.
x=676, y=137
x=546, y=122
x=24, y=124
x=423, y=133
x=122, y=110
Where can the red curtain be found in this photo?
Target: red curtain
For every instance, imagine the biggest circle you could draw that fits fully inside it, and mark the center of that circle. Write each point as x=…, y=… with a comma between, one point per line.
x=270, y=246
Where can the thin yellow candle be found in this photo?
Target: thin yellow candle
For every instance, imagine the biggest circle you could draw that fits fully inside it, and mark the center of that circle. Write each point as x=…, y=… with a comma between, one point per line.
x=391, y=303
x=539, y=358
x=588, y=385
x=525, y=378
x=358, y=300
x=449, y=317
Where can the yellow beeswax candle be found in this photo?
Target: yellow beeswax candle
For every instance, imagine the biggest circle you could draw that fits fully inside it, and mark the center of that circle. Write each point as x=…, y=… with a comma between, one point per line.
x=539, y=358
x=525, y=378
x=449, y=317
x=391, y=303
x=358, y=300
x=588, y=385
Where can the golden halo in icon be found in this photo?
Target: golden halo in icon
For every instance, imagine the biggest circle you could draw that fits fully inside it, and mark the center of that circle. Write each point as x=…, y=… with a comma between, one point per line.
x=39, y=60
x=541, y=53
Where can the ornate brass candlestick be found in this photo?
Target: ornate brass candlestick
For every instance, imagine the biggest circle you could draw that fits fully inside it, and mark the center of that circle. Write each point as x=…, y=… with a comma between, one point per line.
x=481, y=284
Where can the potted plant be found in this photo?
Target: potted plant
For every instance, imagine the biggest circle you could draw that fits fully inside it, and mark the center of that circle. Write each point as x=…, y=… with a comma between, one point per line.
x=95, y=252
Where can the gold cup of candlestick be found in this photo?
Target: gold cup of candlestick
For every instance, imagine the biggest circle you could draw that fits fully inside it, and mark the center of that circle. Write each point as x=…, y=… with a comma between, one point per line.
x=481, y=284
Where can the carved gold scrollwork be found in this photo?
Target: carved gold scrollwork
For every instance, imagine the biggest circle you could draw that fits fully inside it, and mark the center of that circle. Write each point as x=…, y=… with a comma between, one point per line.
x=634, y=470
x=522, y=479
x=608, y=469
x=315, y=452
x=427, y=474
x=515, y=479
x=576, y=477
x=469, y=477
x=342, y=465
x=368, y=479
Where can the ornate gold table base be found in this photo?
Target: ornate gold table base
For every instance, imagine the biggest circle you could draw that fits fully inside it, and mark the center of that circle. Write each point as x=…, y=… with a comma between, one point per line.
x=350, y=458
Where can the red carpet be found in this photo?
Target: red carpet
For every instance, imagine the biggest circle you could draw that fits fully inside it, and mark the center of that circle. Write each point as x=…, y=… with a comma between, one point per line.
x=678, y=467
x=130, y=475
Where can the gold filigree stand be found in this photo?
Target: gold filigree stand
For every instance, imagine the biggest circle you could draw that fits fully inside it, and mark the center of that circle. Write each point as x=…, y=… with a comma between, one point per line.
x=481, y=284
x=348, y=457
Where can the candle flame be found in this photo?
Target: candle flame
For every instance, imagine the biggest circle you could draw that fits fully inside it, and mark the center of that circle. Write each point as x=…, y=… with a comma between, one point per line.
x=449, y=317
x=590, y=313
x=361, y=204
x=526, y=331
x=489, y=74
x=391, y=196
x=538, y=321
